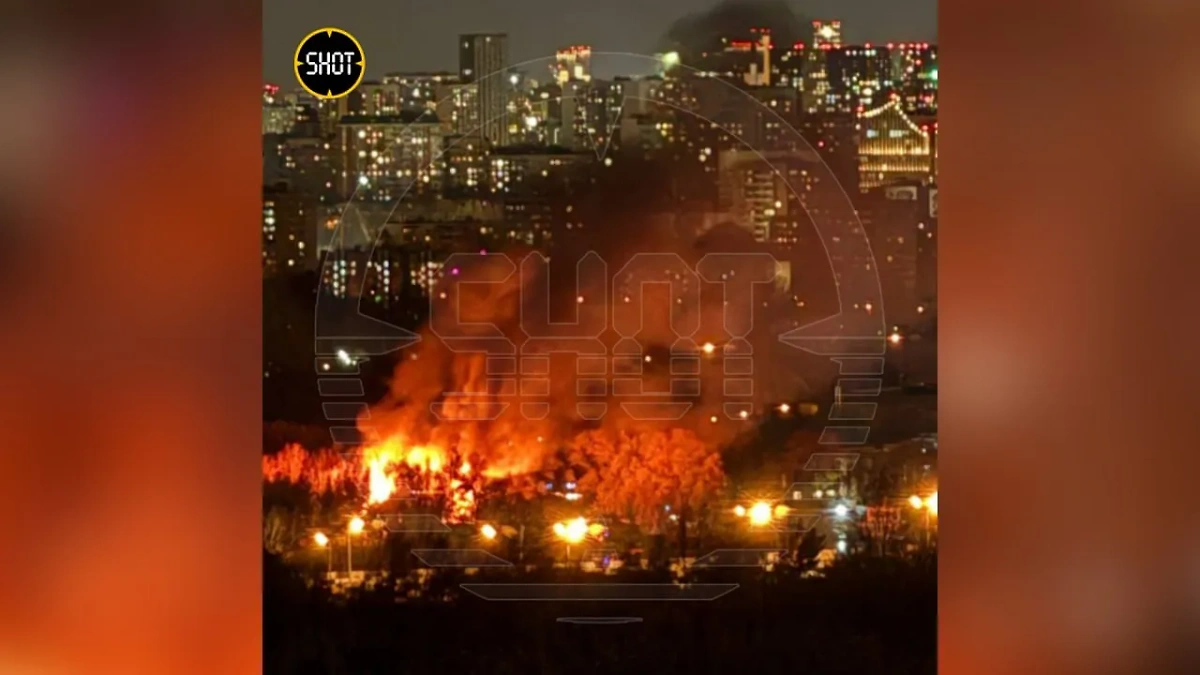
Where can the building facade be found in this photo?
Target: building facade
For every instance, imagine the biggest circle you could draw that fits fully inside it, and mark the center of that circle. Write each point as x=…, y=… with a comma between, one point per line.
x=482, y=61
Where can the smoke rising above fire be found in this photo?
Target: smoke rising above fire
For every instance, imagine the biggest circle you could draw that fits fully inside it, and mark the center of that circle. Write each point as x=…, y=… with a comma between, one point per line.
x=613, y=348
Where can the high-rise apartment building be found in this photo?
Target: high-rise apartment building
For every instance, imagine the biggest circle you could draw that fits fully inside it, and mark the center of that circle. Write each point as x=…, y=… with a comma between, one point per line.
x=915, y=73
x=858, y=76
x=278, y=115
x=383, y=158
x=289, y=231
x=572, y=63
x=420, y=91
x=482, y=61
x=892, y=147
x=826, y=35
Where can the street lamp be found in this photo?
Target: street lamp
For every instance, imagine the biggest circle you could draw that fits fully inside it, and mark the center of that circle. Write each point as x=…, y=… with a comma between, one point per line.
x=760, y=514
x=571, y=532
x=709, y=348
x=487, y=531
x=322, y=541
x=355, y=526
x=928, y=505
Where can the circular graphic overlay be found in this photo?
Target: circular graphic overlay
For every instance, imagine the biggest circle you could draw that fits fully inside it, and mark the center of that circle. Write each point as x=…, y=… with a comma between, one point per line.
x=329, y=63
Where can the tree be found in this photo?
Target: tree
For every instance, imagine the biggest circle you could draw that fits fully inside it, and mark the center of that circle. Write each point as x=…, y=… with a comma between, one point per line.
x=648, y=476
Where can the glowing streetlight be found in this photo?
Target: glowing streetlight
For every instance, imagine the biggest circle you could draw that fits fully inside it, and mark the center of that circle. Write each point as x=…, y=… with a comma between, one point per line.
x=708, y=348
x=744, y=414
x=760, y=513
x=841, y=510
x=781, y=511
x=739, y=511
x=571, y=532
x=575, y=530
x=895, y=338
x=487, y=531
x=929, y=505
x=784, y=408
x=322, y=541
x=355, y=526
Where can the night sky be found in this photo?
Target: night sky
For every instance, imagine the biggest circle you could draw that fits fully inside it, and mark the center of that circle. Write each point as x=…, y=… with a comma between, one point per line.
x=405, y=35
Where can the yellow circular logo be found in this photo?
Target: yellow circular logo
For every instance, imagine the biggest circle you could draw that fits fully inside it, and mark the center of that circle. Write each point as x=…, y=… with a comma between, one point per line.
x=329, y=63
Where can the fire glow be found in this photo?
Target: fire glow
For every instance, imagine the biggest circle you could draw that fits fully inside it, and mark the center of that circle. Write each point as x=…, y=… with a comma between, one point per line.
x=445, y=435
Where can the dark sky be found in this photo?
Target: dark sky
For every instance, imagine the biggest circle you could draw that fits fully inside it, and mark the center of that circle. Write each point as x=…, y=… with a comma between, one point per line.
x=412, y=36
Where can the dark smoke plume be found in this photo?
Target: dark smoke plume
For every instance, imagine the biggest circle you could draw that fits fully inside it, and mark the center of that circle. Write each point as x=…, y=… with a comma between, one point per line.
x=699, y=32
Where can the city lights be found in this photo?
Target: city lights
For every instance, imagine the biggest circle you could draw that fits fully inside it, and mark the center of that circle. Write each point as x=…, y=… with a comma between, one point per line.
x=378, y=200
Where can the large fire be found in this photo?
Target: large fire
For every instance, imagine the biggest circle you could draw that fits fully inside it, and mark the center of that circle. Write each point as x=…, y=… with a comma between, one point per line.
x=380, y=473
x=451, y=427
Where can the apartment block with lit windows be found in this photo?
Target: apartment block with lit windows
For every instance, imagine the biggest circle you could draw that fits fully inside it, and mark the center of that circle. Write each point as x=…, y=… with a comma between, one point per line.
x=384, y=158
x=289, y=231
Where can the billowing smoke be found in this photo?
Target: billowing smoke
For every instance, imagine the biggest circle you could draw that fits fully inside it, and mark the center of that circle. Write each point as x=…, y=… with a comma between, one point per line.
x=604, y=363
x=701, y=32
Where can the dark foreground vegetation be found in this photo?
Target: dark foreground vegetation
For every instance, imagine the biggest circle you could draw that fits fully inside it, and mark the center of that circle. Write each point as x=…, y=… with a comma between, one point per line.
x=867, y=615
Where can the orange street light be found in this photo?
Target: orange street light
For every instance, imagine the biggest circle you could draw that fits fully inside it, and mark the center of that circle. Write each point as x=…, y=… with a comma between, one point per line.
x=760, y=513
x=929, y=505
x=355, y=526
x=322, y=541
x=571, y=532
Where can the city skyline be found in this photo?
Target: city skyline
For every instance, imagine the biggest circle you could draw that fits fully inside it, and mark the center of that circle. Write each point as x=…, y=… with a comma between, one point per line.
x=398, y=37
